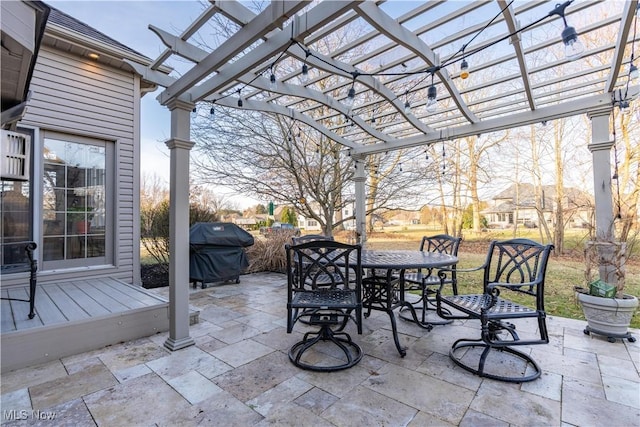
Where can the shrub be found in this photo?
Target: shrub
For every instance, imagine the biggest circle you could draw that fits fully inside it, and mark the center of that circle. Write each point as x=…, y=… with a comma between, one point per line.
x=267, y=253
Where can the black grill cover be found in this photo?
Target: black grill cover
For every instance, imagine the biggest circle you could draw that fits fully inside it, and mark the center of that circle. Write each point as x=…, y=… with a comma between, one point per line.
x=216, y=251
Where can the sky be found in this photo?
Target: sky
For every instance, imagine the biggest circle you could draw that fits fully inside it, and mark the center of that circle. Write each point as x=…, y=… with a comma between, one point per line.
x=127, y=22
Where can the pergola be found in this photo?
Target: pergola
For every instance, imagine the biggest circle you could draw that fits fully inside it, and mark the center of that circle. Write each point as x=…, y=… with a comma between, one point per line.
x=366, y=60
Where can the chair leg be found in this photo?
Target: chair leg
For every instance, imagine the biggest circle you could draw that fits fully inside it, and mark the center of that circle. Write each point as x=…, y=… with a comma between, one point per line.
x=352, y=351
x=463, y=348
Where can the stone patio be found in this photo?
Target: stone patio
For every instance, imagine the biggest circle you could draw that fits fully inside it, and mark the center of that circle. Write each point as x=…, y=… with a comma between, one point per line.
x=238, y=374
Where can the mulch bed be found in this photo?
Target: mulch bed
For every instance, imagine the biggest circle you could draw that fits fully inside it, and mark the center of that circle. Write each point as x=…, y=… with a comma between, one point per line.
x=154, y=275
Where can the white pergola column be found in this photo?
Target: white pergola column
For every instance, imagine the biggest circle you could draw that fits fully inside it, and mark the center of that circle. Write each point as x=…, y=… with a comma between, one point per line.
x=360, y=180
x=179, y=146
x=600, y=148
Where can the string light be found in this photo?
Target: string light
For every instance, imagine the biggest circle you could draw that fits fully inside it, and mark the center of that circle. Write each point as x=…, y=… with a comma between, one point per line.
x=432, y=97
x=633, y=72
x=407, y=105
x=305, y=68
x=273, y=83
x=464, y=69
x=573, y=48
x=240, y=102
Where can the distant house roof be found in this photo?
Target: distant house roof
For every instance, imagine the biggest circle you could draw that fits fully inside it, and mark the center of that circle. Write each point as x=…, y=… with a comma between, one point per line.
x=58, y=17
x=522, y=195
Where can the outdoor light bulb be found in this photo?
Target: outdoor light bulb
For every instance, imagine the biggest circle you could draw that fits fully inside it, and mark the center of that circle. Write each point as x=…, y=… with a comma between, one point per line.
x=350, y=98
x=432, y=99
x=194, y=113
x=273, y=84
x=624, y=107
x=240, y=102
x=305, y=73
x=212, y=111
x=407, y=107
x=633, y=73
x=573, y=48
x=464, y=69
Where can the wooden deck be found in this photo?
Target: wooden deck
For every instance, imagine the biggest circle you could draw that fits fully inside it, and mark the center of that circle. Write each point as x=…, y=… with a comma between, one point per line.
x=77, y=316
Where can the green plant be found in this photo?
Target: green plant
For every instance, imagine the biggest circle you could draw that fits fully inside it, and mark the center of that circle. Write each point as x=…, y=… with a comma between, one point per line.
x=79, y=213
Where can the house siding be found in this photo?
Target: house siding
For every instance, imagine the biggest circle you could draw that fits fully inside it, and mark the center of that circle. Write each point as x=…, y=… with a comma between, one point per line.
x=75, y=95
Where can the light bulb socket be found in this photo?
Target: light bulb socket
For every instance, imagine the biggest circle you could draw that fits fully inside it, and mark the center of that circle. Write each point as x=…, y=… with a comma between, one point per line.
x=624, y=107
x=212, y=111
x=569, y=35
x=351, y=95
x=240, y=103
x=464, y=69
x=633, y=72
x=432, y=93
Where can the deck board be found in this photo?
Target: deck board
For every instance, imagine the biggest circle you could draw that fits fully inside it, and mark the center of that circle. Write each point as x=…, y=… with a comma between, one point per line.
x=117, y=293
x=91, y=306
x=20, y=309
x=47, y=311
x=108, y=301
x=7, y=314
x=65, y=303
x=137, y=295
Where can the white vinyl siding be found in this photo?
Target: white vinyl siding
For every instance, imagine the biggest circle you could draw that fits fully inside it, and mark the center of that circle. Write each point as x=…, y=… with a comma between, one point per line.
x=77, y=96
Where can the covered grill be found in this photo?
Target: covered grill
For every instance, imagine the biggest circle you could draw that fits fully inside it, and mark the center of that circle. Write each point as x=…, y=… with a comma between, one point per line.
x=216, y=252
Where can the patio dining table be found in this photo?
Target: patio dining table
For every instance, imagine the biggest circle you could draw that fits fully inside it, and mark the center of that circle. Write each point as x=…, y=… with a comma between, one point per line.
x=383, y=286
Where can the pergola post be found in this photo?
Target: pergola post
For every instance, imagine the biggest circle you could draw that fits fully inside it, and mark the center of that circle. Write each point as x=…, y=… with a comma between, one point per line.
x=604, y=245
x=361, y=212
x=179, y=146
x=600, y=148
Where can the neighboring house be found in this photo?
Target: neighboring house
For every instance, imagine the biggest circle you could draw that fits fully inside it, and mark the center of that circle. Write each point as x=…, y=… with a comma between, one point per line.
x=404, y=218
x=78, y=197
x=310, y=224
x=517, y=204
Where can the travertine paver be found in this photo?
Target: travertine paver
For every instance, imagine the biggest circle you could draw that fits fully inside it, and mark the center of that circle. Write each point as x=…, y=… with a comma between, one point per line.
x=438, y=397
x=372, y=409
x=240, y=353
x=239, y=374
x=194, y=387
x=285, y=392
x=506, y=402
x=141, y=401
x=63, y=389
x=32, y=375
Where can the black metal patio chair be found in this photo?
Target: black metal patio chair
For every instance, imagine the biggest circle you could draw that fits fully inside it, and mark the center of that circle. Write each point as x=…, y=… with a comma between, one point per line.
x=427, y=281
x=515, y=268
x=321, y=292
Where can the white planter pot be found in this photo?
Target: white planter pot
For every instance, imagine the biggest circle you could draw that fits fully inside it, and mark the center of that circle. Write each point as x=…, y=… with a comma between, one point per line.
x=608, y=316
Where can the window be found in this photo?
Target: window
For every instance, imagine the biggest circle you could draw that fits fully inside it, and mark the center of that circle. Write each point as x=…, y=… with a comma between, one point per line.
x=17, y=210
x=75, y=202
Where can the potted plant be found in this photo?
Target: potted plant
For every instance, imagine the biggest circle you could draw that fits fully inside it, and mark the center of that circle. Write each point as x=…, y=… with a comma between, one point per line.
x=606, y=307
x=80, y=218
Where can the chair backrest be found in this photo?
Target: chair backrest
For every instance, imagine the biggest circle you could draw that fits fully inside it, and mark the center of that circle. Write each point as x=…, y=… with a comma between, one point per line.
x=441, y=243
x=309, y=238
x=323, y=264
x=519, y=265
